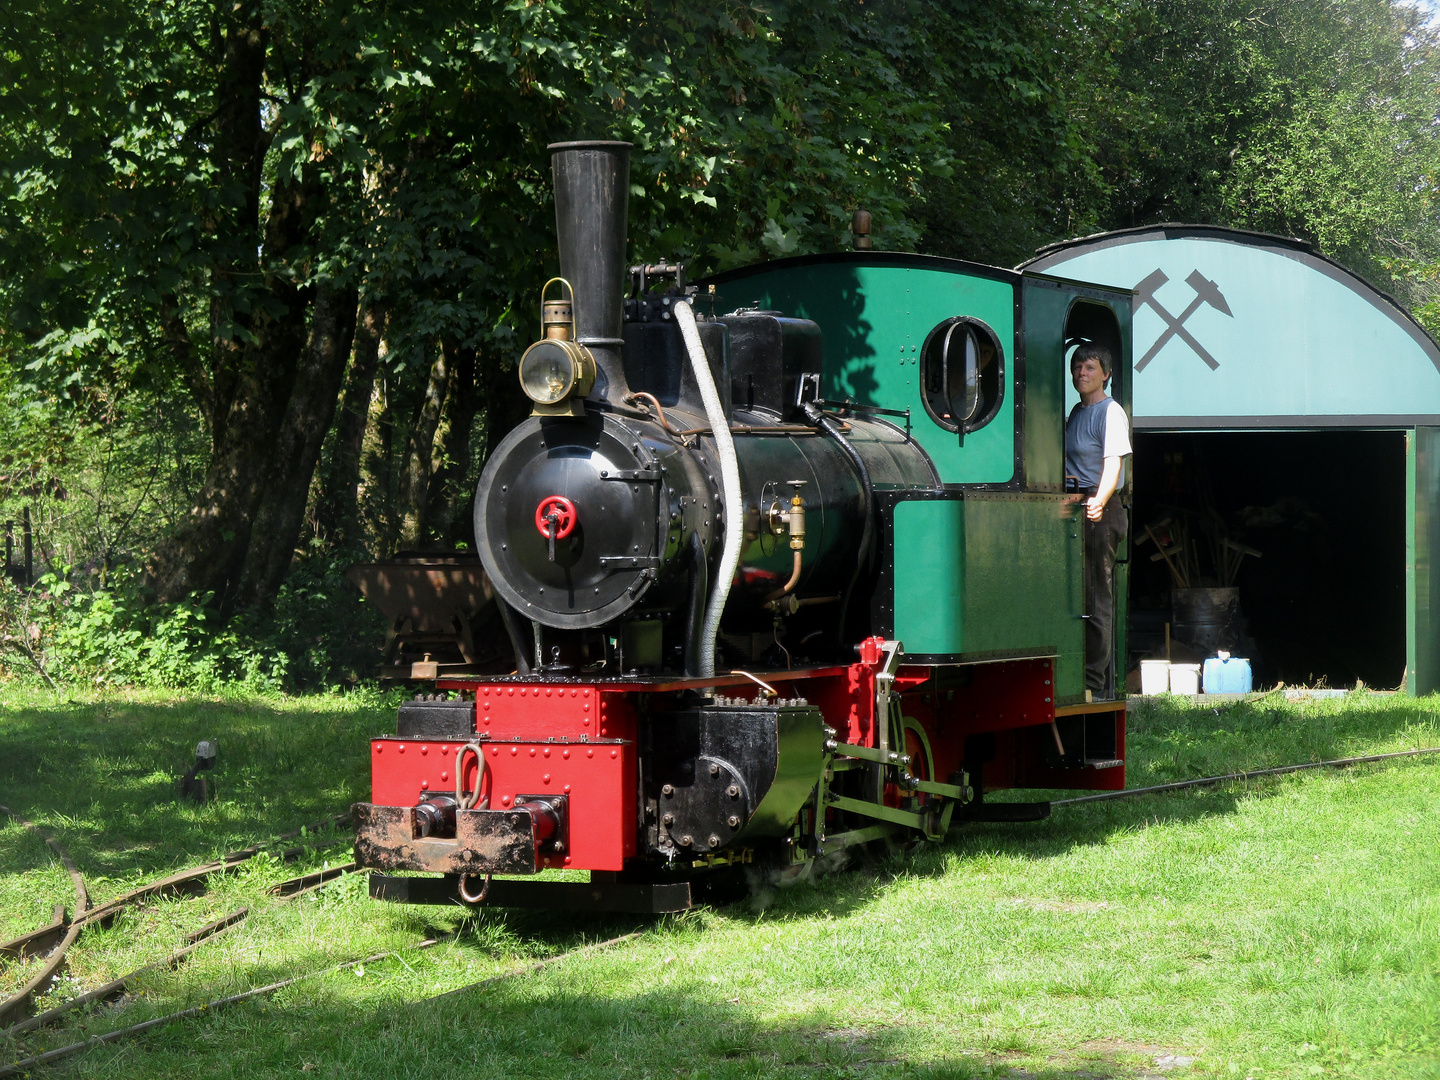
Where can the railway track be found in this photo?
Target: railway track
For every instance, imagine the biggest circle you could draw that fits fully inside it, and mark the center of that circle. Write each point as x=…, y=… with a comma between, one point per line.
x=53, y=941
x=1211, y=781
x=26, y=1064
x=65, y=931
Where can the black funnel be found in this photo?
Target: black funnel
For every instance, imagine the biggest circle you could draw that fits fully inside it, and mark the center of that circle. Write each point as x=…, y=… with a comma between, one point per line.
x=592, y=196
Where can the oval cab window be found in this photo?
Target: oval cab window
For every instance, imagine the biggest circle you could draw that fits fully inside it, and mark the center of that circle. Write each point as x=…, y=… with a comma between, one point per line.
x=961, y=374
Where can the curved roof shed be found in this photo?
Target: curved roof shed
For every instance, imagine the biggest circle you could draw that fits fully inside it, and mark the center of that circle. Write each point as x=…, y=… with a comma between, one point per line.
x=1240, y=331
x=1244, y=330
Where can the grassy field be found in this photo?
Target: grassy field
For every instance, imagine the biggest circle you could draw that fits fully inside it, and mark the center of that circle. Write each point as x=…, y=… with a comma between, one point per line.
x=1284, y=928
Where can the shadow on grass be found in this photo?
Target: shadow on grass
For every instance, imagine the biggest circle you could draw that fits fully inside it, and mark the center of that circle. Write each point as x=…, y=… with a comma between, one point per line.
x=104, y=777
x=577, y=1025
x=541, y=1028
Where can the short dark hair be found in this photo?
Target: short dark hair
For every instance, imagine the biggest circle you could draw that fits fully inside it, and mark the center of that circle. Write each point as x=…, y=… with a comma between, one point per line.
x=1092, y=351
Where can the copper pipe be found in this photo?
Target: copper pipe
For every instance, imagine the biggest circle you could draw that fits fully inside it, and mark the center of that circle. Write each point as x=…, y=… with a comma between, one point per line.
x=810, y=600
x=654, y=403
x=789, y=586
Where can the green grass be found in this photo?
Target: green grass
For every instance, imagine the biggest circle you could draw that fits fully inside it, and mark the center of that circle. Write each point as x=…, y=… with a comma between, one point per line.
x=1282, y=928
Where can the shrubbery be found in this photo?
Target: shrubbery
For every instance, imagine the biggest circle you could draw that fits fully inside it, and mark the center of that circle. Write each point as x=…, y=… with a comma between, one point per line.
x=319, y=633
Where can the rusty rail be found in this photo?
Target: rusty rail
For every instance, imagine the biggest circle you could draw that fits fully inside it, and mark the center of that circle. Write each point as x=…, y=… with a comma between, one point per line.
x=26, y=1064
x=60, y=933
x=21, y=999
x=308, y=883
x=208, y=932
x=1210, y=781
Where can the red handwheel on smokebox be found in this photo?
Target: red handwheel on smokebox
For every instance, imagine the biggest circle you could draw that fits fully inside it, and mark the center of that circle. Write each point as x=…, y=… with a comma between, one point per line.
x=557, y=512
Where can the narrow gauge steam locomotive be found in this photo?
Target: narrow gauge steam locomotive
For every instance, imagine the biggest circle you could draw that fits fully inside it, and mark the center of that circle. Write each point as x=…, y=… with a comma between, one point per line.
x=779, y=582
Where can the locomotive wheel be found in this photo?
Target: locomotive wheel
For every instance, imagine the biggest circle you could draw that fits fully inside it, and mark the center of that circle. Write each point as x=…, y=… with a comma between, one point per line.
x=917, y=745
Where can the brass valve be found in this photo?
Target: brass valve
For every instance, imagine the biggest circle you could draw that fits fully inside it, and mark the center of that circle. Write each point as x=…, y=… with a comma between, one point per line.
x=795, y=522
x=791, y=520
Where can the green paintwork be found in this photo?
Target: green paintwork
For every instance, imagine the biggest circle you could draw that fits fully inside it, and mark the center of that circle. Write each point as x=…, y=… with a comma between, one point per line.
x=1045, y=381
x=1422, y=550
x=1049, y=393
x=992, y=574
x=1023, y=581
x=874, y=319
x=1000, y=572
x=930, y=575
x=1049, y=397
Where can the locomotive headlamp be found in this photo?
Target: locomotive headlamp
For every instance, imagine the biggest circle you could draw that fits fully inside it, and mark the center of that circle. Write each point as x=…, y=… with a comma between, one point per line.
x=550, y=372
x=556, y=372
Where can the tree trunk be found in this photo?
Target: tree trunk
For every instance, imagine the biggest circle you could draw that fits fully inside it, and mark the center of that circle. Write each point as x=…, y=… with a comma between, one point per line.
x=448, y=499
x=420, y=456
x=339, y=509
x=241, y=143
x=503, y=403
x=376, y=496
x=207, y=553
x=311, y=407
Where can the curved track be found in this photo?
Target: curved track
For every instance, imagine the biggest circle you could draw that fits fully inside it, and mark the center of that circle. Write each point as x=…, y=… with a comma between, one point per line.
x=20, y=1001
x=49, y=1056
x=307, y=882
x=60, y=934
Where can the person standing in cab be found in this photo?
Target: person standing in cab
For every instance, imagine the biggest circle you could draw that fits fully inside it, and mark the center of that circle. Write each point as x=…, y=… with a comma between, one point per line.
x=1097, y=441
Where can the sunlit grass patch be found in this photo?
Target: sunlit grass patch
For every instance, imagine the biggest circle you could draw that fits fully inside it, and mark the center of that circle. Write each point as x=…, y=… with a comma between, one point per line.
x=1268, y=928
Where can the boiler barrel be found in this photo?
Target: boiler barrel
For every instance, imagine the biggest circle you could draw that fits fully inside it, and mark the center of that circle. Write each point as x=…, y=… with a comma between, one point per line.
x=834, y=508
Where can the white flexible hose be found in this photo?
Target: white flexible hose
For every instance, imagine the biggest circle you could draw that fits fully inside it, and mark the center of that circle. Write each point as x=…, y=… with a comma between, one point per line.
x=729, y=485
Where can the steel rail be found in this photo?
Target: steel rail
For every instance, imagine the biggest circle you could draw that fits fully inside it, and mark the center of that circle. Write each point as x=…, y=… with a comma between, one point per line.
x=308, y=883
x=208, y=932
x=197, y=1010
x=37, y=941
x=1334, y=763
x=46, y=1058
x=20, y=1000
x=532, y=968
x=31, y=943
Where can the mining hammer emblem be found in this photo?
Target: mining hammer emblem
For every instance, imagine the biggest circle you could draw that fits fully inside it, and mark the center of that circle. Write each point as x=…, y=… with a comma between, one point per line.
x=1206, y=292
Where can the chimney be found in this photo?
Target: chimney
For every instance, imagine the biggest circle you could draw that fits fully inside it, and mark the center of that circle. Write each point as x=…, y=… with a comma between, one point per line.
x=592, y=196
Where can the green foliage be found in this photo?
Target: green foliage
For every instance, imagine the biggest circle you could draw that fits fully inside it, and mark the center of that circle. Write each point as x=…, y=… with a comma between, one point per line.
x=319, y=633
x=170, y=213
x=1314, y=120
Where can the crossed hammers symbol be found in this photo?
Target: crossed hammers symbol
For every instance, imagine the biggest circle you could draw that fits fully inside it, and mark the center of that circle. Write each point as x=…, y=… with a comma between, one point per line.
x=1206, y=292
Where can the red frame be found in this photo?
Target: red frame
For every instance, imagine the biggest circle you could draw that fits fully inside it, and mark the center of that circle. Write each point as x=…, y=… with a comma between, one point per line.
x=580, y=740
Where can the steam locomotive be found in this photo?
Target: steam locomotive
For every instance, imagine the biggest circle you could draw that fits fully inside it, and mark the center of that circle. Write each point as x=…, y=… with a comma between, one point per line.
x=787, y=568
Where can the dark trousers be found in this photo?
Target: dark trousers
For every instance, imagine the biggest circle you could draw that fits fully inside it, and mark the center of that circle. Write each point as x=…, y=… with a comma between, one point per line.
x=1102, y=541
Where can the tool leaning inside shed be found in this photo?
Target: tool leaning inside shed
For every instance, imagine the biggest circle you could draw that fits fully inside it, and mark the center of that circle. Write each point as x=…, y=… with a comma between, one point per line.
x=785, y=566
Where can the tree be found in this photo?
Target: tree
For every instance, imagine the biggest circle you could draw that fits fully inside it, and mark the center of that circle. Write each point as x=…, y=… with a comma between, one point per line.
x=316, y=231
x=202, y=195
x=1314, y=119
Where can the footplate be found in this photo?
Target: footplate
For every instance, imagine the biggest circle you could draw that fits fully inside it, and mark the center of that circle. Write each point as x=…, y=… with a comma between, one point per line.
x=485, y=841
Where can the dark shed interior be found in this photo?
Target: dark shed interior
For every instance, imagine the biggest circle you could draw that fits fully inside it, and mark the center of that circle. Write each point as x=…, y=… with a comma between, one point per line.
x=1324, y=601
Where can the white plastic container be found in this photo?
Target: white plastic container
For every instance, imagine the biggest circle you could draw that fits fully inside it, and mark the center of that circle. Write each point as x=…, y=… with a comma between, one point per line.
x=1185, y=679
x=1154, y=676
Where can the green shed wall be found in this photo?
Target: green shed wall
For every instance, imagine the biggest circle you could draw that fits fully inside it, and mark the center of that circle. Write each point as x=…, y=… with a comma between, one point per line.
x=1422, y=551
